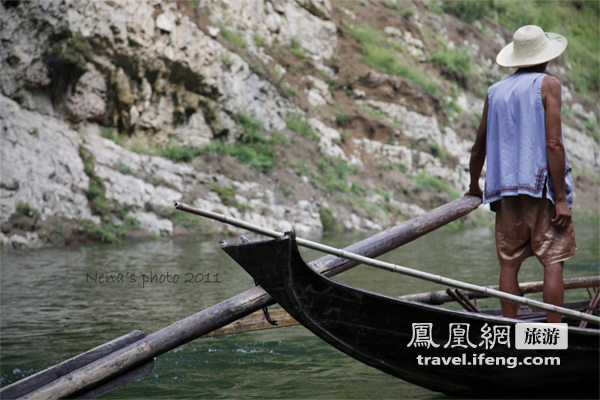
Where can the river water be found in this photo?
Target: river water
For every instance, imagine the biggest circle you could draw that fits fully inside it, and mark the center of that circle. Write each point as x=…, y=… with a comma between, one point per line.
x=59, y=302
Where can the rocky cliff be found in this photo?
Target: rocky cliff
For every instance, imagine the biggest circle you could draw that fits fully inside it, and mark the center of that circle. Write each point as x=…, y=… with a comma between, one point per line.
x=276, y=112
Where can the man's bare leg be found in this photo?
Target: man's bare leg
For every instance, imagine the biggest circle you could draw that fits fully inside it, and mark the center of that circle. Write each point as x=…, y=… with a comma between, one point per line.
x=509, y=283
x=554, y=288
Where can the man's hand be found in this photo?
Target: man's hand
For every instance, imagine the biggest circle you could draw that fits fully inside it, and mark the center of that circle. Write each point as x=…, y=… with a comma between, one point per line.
x=562, y=217
x=474, y=190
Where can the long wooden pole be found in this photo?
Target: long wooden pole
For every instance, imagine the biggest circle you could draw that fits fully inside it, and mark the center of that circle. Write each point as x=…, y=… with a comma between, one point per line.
x=440, y=297
x=393, y=267
x=245, y=303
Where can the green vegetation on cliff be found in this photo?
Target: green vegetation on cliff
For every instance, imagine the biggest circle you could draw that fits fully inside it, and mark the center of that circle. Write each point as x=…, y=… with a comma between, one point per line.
x=577, y=20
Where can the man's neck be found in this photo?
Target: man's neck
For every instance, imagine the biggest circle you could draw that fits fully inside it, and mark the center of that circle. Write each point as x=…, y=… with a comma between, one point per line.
x=541, y=68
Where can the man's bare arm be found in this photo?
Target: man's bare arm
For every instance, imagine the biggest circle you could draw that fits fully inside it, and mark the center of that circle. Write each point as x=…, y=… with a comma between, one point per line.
x=551, y=95
x=478, y=153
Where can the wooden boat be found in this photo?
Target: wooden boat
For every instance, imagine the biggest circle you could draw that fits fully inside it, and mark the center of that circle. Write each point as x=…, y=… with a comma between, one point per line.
x=445, y=350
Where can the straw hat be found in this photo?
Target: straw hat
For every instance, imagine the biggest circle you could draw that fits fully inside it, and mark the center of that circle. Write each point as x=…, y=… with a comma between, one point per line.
x=531, y=46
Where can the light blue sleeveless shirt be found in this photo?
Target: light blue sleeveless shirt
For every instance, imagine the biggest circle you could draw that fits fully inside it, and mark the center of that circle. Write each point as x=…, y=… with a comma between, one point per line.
x=517, y=163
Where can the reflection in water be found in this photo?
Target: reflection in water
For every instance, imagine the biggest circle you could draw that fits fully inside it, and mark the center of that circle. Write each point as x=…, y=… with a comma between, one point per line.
x=57, y=303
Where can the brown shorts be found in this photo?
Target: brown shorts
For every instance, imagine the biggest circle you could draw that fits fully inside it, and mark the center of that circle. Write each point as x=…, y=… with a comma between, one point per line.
x=523, y=229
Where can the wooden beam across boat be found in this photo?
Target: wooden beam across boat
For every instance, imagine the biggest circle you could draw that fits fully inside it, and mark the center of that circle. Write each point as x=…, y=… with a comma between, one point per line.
x=257, y=321
x=181, y=332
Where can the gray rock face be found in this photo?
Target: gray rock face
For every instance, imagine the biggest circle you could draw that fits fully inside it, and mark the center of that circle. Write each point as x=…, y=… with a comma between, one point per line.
x=145, y=70
x=148, y=62
x=89, y=100
x=303, y=22
x=40, y=164
x=166, y=78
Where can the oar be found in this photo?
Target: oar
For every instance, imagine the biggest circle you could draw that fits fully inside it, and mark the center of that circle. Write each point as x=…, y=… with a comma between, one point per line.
x=391, y=267
x=181, y=332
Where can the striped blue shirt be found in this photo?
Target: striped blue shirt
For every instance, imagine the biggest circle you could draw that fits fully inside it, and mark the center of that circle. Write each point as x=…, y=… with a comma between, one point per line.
x=517, y=163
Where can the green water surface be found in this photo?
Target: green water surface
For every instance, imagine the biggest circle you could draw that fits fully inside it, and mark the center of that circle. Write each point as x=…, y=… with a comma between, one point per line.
x=59, y=302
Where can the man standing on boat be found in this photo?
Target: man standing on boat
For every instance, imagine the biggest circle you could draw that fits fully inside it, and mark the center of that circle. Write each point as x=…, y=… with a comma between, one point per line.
x=528, y=179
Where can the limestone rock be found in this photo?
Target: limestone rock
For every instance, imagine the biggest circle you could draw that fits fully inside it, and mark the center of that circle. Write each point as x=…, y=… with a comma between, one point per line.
x=166, y=21
x=123, y=89
x=320, y=8
x=89, y=100
x=41, y=153
x=304, y=22
x=413, y=125
x=329, y=139
x=582, y=150
x=317, y=91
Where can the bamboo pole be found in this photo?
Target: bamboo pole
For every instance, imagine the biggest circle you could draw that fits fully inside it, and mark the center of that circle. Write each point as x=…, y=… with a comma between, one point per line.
x=221, y=314
x=49, y=375
x=392, y=267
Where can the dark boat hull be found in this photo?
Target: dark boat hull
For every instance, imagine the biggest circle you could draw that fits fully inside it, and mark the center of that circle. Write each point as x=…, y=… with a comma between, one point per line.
x=378, y=330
